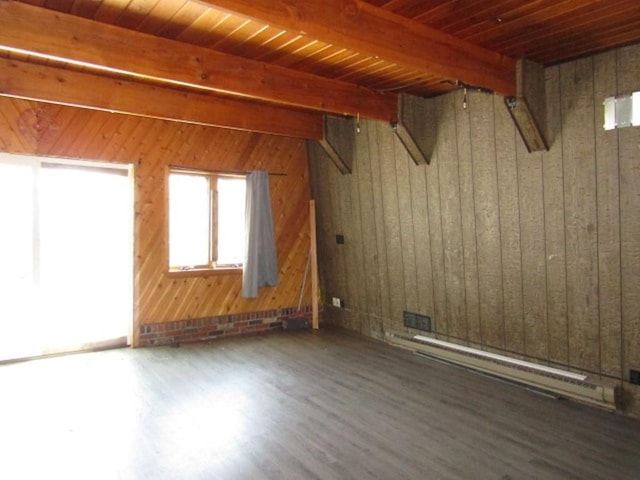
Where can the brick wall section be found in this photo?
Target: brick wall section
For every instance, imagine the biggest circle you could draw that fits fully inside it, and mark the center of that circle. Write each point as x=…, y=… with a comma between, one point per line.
x=209, y=328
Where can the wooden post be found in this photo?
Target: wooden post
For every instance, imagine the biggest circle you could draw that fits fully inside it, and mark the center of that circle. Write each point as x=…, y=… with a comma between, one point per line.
x=314, y=264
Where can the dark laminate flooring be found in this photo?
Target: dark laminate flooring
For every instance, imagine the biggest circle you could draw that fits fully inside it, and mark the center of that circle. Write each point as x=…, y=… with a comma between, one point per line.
x=294, y=405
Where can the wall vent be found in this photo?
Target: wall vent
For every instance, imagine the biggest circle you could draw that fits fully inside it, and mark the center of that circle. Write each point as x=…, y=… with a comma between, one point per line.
x=417, y=321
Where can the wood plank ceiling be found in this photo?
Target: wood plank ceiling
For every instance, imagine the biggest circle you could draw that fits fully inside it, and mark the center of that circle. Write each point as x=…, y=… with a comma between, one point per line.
x=345, y=57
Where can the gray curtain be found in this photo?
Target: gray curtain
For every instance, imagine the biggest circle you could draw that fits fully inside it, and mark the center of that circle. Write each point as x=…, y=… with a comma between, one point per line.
x=260, y=259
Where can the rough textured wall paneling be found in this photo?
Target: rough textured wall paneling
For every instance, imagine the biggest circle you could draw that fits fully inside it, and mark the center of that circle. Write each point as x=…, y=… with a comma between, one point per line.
x=534, y=255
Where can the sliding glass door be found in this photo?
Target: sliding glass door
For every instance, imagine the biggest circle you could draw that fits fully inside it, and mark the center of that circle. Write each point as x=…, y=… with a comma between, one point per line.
x=66, y=253
x=17, y=256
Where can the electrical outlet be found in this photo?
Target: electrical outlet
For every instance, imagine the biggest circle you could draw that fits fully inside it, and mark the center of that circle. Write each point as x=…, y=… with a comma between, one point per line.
x=336, y=302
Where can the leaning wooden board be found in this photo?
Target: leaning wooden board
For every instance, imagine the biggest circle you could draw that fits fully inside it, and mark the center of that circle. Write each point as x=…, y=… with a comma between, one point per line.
x=314, y=264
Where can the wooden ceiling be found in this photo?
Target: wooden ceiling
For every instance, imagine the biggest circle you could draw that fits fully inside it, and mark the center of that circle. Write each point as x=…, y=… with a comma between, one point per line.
x=337, y=56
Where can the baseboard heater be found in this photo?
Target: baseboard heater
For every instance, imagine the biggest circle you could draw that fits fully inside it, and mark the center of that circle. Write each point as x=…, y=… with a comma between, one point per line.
x=561, y=382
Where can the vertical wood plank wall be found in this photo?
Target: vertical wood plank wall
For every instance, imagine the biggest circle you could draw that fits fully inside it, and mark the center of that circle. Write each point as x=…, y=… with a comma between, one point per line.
x=151, y=145
x=536, y=255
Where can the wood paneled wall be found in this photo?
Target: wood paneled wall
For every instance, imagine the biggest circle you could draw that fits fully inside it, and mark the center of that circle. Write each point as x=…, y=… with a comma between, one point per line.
x=152, y=145
x=535, y=255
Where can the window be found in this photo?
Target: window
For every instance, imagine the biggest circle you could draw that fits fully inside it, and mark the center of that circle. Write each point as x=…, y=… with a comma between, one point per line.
x=622, y=111
x=206, y=220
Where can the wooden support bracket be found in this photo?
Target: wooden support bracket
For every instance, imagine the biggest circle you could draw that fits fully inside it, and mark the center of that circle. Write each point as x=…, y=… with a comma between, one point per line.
x=338, y=140
x=415, y=121
x=528, y=107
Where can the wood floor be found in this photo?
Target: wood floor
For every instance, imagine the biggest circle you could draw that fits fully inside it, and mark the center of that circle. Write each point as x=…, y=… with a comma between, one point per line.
x=294, y=405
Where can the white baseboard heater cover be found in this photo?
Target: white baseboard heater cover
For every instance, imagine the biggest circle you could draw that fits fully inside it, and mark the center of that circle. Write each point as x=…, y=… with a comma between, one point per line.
x=561, y=382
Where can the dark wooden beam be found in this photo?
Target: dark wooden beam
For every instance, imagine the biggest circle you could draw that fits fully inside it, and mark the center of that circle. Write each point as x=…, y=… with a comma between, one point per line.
x=54, y=85
x=47, y=34
x=415, y=127
x=362, y=27
x=528, y=106
x=338, y=141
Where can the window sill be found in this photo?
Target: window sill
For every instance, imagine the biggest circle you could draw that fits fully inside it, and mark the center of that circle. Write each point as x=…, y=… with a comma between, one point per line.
x=204, y=272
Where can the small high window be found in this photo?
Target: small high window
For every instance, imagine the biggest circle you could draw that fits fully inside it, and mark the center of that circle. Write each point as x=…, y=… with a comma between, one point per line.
x=206, y=220
x=622, y=111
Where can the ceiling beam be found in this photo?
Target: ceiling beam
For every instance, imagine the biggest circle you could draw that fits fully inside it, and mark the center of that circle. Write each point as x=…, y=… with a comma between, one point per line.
x=359, y=26
x=20, y=79
x=51, y=35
